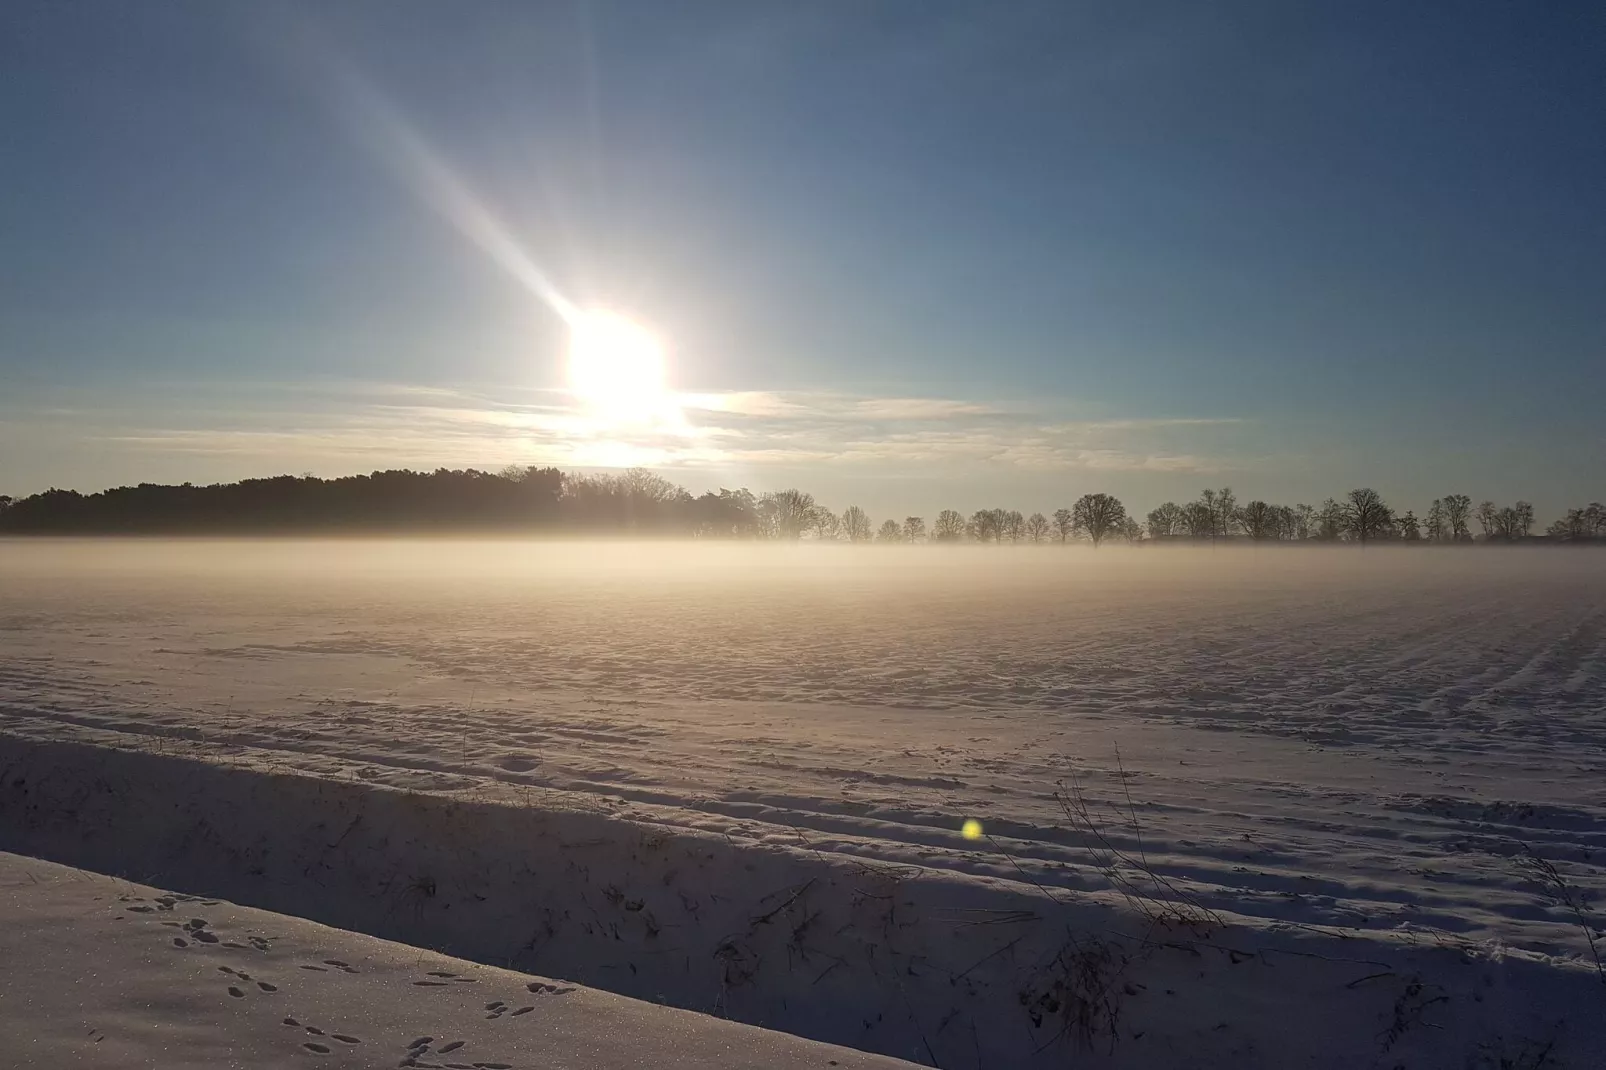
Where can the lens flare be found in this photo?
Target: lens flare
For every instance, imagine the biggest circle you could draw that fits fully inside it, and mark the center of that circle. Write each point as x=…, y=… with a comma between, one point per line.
x=971, y=829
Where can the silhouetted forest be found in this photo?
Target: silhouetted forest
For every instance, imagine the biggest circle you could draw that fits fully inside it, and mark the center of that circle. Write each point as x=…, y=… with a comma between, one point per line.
x=639, y=502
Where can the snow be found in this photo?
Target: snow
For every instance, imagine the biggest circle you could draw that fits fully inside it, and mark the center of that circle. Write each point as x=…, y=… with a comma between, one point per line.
x=1218, y=790
x=105, y=973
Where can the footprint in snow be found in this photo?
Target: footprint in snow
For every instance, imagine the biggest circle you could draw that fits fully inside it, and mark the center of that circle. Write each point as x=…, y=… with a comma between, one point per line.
x=541, y=988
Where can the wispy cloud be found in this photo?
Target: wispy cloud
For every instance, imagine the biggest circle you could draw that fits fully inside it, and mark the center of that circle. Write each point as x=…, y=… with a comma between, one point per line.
x=401, y=424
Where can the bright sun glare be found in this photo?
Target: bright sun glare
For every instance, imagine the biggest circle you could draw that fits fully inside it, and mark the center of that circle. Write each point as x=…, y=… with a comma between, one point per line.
x=616, y=367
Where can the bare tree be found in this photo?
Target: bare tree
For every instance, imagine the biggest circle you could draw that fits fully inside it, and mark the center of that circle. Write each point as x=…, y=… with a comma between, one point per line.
x=1100, y=515
x=827, y=525
x=1226, y=512
x=1365, y=516
x=1488, y=519
x=1509, y=523
x=1037, y=527
x=1011, y=525
x=642, y=485
x=1166, y=519
x=1131, y=530
x=856, y=524
x=1064, y=525
x=1524, y=519
x=1457, y=512
x=1407, y=527
x=949, y=526
x=1438, y=528
x=986, y=525
x=1586, y=523
x=1259, y=520
x=1199, y=518
x=787, y=513
x=1304, y=521
x=1206, y=507
x=1329, y=521
x=914, y=529
x=890, y=532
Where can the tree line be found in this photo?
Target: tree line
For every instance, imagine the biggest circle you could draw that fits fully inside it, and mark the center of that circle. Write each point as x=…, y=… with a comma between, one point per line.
x=1362, y=516
x=640, y=502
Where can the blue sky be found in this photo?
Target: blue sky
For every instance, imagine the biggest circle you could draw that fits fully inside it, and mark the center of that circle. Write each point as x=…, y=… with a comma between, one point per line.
x=911, y=254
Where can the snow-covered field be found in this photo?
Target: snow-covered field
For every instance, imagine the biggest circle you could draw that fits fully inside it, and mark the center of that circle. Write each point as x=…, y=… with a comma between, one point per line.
x=1246, y=807
x=102, y=972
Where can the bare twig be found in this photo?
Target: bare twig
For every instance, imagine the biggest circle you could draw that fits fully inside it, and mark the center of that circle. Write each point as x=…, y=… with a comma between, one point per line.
x=1166, y=902
x=1556, y=887
x=762, y=918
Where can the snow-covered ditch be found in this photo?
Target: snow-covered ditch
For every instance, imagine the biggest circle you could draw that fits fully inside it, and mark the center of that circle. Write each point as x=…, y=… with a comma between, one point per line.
x=102, y=973
x=942, y=967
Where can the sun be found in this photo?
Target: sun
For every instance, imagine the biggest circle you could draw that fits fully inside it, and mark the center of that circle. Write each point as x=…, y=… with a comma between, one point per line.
x=616, y=368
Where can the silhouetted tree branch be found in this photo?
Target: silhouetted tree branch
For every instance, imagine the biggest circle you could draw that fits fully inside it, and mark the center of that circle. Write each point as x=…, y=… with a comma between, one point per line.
x=949, y=526
x=1100, y=515
x=856, y=524
x=1064, y=525
x=1365, y=517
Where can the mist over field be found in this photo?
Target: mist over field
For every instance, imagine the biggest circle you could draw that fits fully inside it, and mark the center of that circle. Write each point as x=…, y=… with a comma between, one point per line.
x=1346, y=641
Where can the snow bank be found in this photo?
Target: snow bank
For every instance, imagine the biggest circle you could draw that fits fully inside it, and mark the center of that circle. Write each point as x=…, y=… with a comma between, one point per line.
x=941, y=967
x=103, y=973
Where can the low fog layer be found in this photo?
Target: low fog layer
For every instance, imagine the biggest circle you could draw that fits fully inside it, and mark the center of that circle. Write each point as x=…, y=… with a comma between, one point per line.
x=544, y=561
x=1109, y=630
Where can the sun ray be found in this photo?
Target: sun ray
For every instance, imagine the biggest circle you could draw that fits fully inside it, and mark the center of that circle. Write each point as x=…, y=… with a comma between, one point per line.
x=402, y=148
